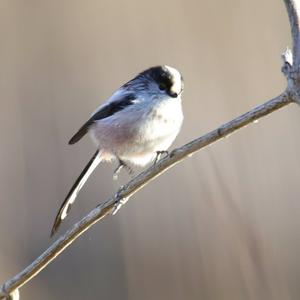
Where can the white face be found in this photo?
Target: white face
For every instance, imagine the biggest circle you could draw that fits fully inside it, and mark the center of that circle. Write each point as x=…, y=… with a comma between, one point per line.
x=177, y=79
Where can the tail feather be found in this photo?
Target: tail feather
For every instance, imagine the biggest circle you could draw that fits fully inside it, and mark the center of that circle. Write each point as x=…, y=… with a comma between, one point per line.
x=69, y=200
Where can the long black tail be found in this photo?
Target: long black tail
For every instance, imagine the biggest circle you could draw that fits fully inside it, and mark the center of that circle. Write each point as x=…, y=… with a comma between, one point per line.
x=69, y=200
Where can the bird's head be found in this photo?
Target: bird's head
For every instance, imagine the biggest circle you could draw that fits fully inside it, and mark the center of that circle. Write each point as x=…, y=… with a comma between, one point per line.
x=160, y=80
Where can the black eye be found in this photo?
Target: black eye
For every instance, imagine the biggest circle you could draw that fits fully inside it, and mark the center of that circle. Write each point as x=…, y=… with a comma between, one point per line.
x=162, y=87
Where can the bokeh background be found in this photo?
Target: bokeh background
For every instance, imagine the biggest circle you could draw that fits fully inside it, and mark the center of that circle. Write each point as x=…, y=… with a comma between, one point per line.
x=223, y=224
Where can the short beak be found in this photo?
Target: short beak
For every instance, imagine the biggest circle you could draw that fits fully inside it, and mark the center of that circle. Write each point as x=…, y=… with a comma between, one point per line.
x=173, y=95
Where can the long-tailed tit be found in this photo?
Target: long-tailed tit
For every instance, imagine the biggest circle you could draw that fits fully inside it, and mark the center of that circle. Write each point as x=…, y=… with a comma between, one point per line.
x=138, y=122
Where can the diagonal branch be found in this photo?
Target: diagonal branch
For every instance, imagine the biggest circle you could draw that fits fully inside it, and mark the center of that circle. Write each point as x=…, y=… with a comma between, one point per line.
x=136, y=184
x=9, y=290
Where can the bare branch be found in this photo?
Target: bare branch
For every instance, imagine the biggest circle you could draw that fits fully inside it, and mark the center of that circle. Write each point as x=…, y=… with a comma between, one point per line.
x=291, y=67
x=136, y=184
x=9, y=289
x=293, y=9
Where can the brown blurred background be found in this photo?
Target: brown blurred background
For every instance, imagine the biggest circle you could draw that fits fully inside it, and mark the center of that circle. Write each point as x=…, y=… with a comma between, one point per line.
x=223, y=224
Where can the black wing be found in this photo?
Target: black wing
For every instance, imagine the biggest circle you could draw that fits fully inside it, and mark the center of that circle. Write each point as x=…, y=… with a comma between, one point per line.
x=106, y=111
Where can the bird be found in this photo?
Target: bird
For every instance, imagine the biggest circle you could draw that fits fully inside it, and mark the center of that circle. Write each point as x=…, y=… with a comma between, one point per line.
x=134, y=127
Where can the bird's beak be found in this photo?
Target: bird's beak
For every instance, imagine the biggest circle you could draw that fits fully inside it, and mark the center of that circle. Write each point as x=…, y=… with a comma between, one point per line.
x=173, y=95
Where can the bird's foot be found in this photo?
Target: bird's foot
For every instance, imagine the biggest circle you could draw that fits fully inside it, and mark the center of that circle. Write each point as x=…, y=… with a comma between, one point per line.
x=122, y=165
x=118, y=205
x=159, y=154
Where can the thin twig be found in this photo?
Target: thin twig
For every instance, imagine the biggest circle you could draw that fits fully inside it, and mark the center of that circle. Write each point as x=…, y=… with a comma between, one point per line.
x=293, y=9
x=10, y=288
x=136, y=184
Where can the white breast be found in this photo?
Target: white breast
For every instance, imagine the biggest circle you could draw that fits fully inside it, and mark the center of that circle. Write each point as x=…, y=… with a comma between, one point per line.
x=165, y=118
x=136, y=134
x=162, y=126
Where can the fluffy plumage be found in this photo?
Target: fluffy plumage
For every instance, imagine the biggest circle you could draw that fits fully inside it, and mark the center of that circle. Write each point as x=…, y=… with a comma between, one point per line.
x=141, y=118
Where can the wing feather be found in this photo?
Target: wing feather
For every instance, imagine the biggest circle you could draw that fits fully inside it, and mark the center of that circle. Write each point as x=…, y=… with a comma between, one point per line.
x=104, y=112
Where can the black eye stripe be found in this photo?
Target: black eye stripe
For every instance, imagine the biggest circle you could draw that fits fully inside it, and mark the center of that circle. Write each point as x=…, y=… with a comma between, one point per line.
x=159, y=74
x=162, y=86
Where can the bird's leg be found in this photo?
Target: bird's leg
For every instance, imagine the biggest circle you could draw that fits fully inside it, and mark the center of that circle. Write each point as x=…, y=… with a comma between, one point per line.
x=159, y=154
x=118, y=204
x=120, y=166
x=118, y=169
